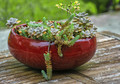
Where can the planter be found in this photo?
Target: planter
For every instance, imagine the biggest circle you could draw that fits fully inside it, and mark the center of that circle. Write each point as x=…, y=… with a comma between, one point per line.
x=30, y=52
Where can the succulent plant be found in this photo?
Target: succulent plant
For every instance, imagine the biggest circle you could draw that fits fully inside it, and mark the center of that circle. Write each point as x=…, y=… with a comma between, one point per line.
x=84, y=25
x=11, y=22
x=77, y=26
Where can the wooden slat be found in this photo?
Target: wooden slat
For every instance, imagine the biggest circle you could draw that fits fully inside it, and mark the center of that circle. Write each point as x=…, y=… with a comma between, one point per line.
x=111, y=34
x=103, y=68
x=105, y=65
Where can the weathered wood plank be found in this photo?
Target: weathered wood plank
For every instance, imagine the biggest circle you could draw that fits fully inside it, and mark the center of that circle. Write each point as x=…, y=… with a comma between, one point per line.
x=105, y=65
x=111, y=34
x=103, y=68
x=65, y=80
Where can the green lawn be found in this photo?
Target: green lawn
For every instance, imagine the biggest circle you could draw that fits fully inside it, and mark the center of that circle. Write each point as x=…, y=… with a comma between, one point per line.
x=37, y=9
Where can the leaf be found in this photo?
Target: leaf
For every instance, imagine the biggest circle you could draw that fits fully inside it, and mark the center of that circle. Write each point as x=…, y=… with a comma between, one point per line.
x=44, y=74
x=60, y=34
x=72, y=42
x=81, y=34
x=65, y=38
x=68, y=21
x=55, y=24
x=44, y=21
x=23, y=32
x=47, y=56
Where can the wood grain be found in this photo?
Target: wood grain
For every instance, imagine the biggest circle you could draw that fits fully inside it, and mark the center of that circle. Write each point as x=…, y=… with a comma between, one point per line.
x=103, y=68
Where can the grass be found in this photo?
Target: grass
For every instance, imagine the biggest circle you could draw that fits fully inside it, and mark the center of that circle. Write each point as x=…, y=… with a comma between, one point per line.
x=36, y=9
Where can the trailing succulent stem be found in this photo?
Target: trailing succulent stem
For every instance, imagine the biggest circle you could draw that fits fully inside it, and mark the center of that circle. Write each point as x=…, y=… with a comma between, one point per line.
x=74, y=40
x=60, y=50
x=47, y=57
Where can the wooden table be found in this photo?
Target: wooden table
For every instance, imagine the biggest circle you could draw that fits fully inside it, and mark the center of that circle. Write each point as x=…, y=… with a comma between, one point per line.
x=103, y=68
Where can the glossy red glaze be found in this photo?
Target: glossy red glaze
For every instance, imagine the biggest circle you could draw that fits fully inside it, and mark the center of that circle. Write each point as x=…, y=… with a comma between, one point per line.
x=30, y=52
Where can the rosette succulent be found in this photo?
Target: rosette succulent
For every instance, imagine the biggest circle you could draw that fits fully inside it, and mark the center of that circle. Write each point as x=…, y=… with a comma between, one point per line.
x=12, y=21
x=77, y=26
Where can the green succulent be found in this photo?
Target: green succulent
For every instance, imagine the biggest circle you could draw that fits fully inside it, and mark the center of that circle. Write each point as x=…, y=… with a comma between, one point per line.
x=77, y=26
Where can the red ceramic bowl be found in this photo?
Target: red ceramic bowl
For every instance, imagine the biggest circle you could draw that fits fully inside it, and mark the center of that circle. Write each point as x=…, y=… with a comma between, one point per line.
x=30, y=52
